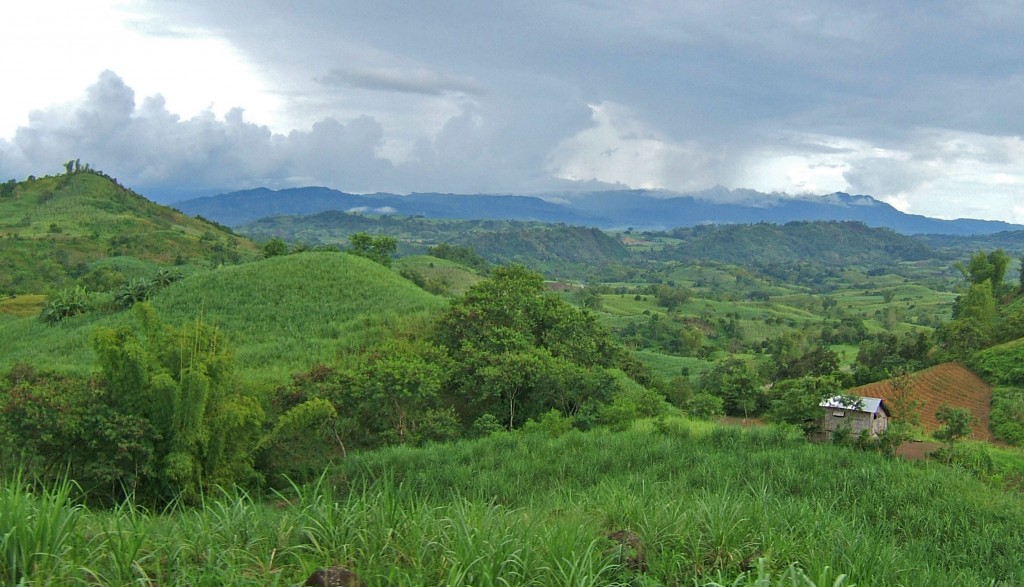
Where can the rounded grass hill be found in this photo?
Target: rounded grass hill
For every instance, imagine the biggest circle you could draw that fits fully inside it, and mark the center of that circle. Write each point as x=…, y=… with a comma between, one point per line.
x=53, y=228
x=280, y=315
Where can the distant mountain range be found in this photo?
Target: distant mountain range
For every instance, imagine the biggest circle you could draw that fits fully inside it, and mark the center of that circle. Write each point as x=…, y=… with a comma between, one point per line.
x=637, y=209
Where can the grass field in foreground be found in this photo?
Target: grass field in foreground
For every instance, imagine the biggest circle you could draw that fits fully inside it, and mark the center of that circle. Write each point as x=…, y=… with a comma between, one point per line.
x=698, y=506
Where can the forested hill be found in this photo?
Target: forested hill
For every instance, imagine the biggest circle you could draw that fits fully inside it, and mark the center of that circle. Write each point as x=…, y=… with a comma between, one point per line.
x=243, y=207
x=1011, y=241
x=639, y=209
x=53, y=228
x=498, y=241
x=828, y=243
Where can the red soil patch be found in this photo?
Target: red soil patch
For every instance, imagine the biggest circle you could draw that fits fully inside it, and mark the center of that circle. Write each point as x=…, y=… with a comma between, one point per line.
x=948, y=383
x=561, y=286
x=917, y=451
x=628, y=240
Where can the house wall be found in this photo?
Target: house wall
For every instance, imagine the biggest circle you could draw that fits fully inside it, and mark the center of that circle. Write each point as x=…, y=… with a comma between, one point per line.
x=880, y=423
x=856, y=421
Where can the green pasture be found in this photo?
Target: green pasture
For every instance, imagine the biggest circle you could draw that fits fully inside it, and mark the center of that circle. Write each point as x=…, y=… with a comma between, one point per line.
x=668, y=366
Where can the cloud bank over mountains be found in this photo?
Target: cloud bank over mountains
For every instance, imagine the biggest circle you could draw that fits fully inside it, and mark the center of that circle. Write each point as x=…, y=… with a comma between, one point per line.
x=914, y=103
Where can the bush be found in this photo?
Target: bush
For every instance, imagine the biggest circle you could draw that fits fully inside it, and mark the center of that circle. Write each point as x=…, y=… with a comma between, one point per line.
x=485, y=425
x=672, y=427
x=705, y=406
x=1007, y=417
x=1002, y=364
x=632, y=402
x=552, y=424
x=66, y=303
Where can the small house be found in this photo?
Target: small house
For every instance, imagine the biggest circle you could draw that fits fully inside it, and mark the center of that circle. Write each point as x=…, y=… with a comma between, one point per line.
x=856, y=414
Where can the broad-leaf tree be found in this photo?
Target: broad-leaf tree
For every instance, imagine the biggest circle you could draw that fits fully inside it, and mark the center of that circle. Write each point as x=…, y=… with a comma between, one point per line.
x=518, y=351
x=376, y=248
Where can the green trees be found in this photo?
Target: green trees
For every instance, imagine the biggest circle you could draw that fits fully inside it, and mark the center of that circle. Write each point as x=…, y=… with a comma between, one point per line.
x=505, y=353
x=274, y=248
x=179, y=381
x=460, y=254
x=956, y=423
x=975, y=312
x=395, y=392
x=798, y=401
x=739, y=387
x=380, y=248
x=672, y=297
x=989, y=267
x=796, y=355
x=673, y=334
x=7, y=188
x=54, y=427
x=1020, y=283
x=518, y=351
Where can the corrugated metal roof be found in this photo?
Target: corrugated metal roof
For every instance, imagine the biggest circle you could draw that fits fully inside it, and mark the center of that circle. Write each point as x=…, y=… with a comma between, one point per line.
x=867, y=404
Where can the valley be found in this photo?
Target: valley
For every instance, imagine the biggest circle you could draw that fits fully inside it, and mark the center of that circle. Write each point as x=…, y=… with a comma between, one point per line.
x=484, y=401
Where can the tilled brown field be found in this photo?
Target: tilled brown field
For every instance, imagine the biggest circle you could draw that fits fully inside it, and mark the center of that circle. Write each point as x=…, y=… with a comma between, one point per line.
x=948, y=383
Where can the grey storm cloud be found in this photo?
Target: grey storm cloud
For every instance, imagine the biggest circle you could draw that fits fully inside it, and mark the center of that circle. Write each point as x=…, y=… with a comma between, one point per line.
x=414, y=81
x=731, y=72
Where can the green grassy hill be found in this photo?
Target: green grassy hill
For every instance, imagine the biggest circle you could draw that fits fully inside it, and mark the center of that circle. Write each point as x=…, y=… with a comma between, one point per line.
x=52, y=229
x=281, y=314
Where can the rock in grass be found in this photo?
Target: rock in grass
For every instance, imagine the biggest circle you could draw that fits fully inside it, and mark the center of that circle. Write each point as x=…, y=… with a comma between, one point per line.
x=630, y=550
x=334, y=577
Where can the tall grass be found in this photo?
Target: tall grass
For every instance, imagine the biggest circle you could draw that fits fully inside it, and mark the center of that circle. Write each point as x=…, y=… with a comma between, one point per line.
x=37, y=531
x=726, y=507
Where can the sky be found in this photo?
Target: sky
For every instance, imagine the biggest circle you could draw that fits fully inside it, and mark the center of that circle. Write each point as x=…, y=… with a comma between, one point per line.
x=917, y=103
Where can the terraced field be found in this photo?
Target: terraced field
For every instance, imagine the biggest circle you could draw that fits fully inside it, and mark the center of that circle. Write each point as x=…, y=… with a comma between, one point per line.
x=948, y=383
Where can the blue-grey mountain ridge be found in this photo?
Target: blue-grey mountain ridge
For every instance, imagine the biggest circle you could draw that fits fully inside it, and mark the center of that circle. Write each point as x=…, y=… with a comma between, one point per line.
x=637, y=209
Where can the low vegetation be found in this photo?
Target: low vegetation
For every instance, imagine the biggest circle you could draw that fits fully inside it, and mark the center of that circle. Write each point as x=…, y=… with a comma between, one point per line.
x=671, y=505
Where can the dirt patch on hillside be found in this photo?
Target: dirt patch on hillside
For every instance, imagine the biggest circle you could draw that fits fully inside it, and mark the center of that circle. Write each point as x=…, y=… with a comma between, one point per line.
x=948, y=383
x=917, y=451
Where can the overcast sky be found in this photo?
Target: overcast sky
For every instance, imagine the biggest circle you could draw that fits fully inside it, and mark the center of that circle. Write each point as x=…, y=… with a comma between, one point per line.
x=920, y=104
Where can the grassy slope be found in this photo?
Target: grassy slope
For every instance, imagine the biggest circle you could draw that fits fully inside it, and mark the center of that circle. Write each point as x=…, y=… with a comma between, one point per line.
x=527, y=509
x=703, y=504
x=281, y=314
x=454, y=278
x=51, y=226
